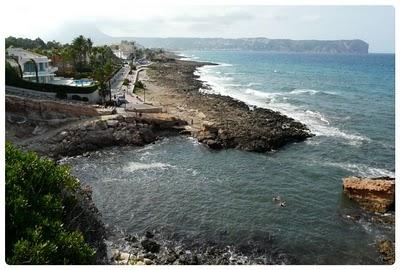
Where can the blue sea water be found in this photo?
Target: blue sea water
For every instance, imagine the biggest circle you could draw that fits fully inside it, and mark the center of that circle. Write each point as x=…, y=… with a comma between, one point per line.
x=179, y=185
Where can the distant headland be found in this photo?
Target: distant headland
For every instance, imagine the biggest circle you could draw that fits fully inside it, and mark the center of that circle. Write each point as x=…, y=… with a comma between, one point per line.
x=355, y=46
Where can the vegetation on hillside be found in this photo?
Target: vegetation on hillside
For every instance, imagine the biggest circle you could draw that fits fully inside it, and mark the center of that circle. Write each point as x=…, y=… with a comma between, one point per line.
x=39, y=202
x=73, y=60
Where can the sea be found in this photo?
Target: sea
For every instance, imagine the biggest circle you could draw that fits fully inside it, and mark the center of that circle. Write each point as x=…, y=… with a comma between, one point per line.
x=226, y=197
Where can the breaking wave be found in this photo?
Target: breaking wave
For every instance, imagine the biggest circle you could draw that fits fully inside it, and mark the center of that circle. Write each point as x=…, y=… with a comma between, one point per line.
x=136, y=166
x=363, y=170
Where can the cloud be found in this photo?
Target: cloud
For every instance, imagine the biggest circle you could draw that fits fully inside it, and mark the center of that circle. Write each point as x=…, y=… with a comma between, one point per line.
x=225, y=19
x=310, y=18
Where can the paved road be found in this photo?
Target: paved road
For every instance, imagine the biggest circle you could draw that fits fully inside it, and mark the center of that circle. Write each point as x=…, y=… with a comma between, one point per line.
x=116, y=82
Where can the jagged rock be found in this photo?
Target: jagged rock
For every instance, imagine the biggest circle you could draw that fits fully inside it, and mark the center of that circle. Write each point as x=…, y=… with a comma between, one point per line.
x=131, y=238
x=372, y=194
x=101, y=125
x=112, y=123
x=386, y=248
x=188, y=258
x=150, y=246
x=150, y=256
x=229, y=123
x=149, y=234
x=147, y=261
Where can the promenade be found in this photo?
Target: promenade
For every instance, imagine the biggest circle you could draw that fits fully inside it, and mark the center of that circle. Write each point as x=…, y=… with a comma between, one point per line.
x=135, y=103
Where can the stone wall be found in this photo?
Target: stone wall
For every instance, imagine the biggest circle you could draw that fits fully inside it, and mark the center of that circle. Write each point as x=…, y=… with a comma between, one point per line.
x=46, y=109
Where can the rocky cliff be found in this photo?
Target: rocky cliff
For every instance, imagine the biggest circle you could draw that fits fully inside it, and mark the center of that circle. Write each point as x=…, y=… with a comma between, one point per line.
x=355, y=46
x=373, y=194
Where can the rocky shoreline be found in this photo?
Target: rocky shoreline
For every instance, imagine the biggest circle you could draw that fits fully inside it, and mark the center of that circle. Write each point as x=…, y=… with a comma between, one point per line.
x=219, y=121
x=153, y=247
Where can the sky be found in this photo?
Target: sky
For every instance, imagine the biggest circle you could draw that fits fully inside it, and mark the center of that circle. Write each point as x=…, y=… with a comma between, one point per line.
x=123, y=18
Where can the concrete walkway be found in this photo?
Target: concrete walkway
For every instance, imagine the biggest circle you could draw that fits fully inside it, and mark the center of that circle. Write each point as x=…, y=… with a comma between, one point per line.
x=135, y=103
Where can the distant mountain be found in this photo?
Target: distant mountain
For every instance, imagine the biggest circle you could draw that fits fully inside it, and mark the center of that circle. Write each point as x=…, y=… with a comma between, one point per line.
x=356, y=46
x=258, y=44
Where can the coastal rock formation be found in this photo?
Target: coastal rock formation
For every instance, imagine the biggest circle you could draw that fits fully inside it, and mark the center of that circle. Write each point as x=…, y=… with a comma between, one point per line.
x=387, y=250
x=161, y=250
x=372, y=194
x=225, y=122
x=95, y=134
x=240, y=127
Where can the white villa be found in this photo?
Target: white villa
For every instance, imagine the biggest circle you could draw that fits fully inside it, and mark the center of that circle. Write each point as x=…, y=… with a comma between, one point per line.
x=45, y=71
x=124, y=50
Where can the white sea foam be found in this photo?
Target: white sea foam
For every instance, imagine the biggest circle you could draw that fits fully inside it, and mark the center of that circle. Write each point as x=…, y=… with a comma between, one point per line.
x=253, y=84
x=136, y=166
x=234, y=73
x=224, y=65
x=318, y=123
x=362, y=169
x=304, y=91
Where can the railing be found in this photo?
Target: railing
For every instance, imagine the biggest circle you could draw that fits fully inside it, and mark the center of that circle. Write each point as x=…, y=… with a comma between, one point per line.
x=48, y=71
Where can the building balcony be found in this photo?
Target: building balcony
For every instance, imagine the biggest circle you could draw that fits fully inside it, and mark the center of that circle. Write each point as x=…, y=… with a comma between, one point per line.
x=48, y=72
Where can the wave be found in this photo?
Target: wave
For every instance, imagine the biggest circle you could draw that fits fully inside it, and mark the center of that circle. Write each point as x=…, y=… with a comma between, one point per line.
x=304, y=91
x=136, y=166
x=252, y=84
x=362, y=170
x=223, y=65
x=234, y=73
x=318, y=123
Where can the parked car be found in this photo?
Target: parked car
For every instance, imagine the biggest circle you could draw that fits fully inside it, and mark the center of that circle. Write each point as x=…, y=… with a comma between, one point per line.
x=120, y=100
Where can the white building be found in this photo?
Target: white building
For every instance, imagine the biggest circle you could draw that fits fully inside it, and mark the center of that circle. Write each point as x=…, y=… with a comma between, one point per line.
x=124, y=50
x=45, y=70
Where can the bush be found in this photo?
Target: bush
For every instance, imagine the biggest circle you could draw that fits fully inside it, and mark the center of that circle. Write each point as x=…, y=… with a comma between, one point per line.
x=76, y=97
x=126, y=82
x=12, y=75
x=61, y=95
x=85, y=99
x=38, y=192
x=140, y=84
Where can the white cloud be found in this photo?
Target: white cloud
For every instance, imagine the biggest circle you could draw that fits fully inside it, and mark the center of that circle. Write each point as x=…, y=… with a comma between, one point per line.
x=310, y=18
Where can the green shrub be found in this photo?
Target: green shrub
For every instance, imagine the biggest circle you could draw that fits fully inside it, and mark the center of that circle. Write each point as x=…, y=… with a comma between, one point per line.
x=140, y=85
x=126, y=82
x=38, y=192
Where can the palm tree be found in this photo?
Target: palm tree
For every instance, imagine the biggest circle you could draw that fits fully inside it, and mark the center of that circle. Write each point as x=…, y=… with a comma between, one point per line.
x=81, y=47
x=15, y=58
x=101, y=69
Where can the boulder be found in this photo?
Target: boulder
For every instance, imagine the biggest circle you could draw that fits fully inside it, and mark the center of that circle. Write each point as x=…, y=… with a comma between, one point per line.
x=112, y=123
x=147, y=261
x=386, y=248
x=149, y=234
x=150, y=246
x=101, y=125
x=372, y=194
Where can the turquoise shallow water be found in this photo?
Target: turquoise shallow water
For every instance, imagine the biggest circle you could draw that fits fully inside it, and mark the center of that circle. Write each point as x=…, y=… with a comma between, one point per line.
x=180, y=186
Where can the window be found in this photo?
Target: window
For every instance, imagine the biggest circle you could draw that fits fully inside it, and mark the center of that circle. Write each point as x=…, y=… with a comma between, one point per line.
x=29, y=67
